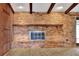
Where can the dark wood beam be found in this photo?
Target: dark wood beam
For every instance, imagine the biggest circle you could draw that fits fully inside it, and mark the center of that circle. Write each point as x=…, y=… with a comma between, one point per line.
x=71, y=7
x=30, y=8
x=39, y=25
x=51, y=7
x=11, y=7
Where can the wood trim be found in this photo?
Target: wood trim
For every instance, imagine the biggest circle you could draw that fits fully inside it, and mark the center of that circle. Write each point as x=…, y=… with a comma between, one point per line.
x=30, y=8
x=51, y=7
x=11, y=8
x=71, y=7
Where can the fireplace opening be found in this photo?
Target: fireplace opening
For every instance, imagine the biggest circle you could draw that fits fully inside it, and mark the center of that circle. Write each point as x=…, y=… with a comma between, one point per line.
x=37, y=35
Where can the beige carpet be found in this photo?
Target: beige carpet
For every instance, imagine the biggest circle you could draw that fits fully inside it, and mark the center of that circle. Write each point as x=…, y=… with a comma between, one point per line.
x=43, y=52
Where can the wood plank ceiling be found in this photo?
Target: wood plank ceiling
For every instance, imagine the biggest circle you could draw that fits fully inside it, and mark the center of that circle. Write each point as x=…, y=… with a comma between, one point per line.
x=44, y=7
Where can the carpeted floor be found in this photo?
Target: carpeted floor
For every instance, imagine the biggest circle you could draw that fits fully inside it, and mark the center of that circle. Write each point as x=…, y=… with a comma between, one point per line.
x=43, y=52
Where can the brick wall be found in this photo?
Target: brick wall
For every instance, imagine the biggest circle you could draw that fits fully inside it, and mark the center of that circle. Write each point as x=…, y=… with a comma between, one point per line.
x=56, y=35
x=6, y=17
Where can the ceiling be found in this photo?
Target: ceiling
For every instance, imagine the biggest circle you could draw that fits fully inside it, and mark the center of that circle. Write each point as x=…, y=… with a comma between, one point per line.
x=43, y=7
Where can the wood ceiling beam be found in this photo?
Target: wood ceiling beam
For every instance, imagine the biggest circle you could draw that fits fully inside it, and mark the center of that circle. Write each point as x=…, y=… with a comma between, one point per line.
x=71, y=7
x=51, y=7
x=30, y=8
x=10, y=7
